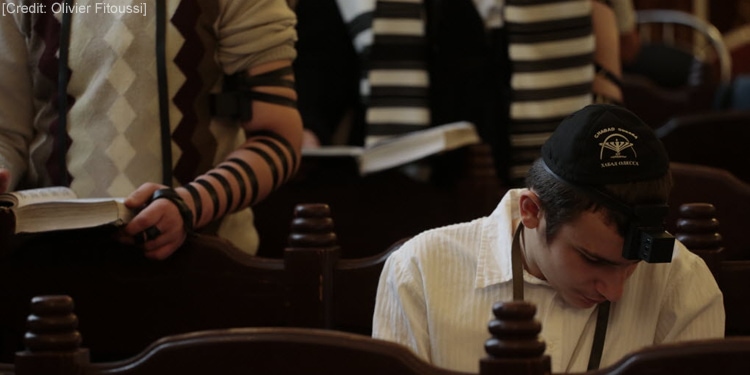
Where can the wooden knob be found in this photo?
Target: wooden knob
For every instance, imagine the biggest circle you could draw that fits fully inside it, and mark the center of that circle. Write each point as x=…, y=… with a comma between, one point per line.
x=312, y=226
x=52, y=326
x=514, y=331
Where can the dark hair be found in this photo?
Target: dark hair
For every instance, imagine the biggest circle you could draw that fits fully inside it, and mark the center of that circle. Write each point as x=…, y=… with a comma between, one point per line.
x=563, y=203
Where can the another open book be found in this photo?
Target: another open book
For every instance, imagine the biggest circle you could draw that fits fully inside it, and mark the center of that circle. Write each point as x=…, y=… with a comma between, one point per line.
x=58, y=208
x=403, y=149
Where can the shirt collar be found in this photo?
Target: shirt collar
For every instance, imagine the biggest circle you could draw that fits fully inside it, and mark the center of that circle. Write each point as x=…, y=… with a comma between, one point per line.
x=494, y=259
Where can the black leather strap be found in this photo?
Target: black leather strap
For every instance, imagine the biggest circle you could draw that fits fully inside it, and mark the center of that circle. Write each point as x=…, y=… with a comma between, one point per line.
x=62, y=94
x=254, y=186
x=172, y=196
x=600, y=333
x=271, y=164
x=227, y=190
x=285, y=170
x=271, y=78
x=211, y=193
x=280, y=139
x=238, y=95
x=607, y=74
x=517, y=264
x=240, y=181
x=161, y=72
x=197, y=201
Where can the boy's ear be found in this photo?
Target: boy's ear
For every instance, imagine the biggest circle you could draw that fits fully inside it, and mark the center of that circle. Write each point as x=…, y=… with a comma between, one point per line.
x=531, y=209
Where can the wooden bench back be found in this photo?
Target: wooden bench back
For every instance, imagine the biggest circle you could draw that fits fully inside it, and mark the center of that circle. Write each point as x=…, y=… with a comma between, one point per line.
x=53, y=347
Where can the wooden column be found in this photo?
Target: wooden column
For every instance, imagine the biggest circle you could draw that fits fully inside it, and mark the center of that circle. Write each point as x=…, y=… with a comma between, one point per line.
x=309, y=260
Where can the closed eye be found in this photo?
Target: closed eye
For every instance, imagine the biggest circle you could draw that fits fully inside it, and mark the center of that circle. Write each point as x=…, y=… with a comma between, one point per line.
x=590, y=259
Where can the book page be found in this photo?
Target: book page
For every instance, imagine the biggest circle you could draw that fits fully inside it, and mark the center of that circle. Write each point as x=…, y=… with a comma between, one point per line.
x=326, y=151
x=26, y=197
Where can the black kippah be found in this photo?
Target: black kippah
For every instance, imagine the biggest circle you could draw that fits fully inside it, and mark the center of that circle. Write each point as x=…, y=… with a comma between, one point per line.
x=604, y=144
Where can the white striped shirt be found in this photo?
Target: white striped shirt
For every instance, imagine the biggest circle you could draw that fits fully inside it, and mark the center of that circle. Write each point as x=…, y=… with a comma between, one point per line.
x=436, y=295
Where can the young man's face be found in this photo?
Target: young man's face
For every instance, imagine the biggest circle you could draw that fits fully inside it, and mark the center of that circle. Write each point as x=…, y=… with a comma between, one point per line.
x=584, y=262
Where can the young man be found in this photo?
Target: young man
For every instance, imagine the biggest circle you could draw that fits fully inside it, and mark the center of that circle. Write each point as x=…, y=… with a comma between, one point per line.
x=587, y=232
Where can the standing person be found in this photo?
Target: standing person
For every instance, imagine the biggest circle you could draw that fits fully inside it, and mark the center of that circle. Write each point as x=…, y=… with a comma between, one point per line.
x=584, y=242
x=196, y=94
x=513, y=68
x=630, y=40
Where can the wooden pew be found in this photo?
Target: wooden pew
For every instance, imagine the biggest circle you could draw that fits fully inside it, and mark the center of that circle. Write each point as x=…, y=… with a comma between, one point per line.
x=712, y=138
x=53, y=347
x=699, y=230
x=730, y=195
x=355, y=288
x=347, y=295
x=206, y=284
x=376, y=210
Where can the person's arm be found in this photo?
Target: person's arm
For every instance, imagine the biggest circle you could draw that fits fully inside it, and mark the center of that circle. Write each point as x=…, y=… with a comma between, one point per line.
x=693, y=307
x=607, y=54
x=16, y=105
x=400, y=311
x=630, y=41
x=268, y=158
x=259, y=34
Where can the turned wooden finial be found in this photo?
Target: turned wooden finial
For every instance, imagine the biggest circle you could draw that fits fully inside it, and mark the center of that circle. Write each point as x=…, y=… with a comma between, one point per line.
x=53, y=343
x=697, y=227
x=698, y=230
x=312, y=226
x=52, y=325
x=515, y=347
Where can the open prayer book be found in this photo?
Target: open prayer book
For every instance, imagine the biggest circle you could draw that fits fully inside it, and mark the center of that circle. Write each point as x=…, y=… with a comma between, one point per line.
x=403, y=149
x=58, y=208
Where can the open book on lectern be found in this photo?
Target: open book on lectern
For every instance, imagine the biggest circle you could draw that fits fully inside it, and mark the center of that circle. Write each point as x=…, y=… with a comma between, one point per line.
x=402, y=149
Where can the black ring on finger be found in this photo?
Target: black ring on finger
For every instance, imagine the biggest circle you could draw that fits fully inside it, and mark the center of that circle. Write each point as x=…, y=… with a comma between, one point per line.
x=151, y=233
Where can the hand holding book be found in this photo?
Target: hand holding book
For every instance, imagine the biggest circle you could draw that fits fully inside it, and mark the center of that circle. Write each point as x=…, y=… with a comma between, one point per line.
x=161, y=224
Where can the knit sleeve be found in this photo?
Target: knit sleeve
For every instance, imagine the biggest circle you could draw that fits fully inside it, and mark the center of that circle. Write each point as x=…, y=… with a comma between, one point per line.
x=16, y=106
x=253, y=32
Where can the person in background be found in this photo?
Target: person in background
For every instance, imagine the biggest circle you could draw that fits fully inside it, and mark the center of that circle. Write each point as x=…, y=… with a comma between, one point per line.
x=607, y=85
x=584, y=243
x=512, y=68
x=187, y=108
x=630, y=39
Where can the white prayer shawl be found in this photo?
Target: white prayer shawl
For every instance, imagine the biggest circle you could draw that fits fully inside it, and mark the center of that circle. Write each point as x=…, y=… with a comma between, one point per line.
x=551, y=48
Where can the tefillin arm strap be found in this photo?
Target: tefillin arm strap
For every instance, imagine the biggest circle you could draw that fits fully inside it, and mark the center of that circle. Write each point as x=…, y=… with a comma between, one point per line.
x=161, y=73
x=602, y=310
x=62, y=95
x=236, y=99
